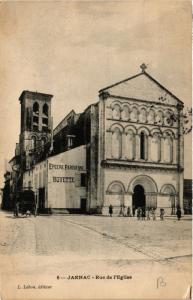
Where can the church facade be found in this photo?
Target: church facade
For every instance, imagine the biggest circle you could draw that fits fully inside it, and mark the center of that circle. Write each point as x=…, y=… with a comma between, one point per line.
x=140, y=146
x=133, y=143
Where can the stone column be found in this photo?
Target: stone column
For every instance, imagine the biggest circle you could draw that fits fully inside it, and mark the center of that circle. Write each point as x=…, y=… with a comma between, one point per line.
x=134, y=146
x=137, y=147
x=159, y=149
x=162, y=150
x=175, y=151
x=108, y=148
x=171, y=150
x=146, y=147
x=149, y=148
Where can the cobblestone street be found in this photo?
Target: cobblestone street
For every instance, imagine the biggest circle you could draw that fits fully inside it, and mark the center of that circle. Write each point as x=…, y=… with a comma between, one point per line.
x=42, y=248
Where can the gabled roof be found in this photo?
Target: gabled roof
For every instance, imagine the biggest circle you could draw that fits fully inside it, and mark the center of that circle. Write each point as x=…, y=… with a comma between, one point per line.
x=119, y=82
x=143, y=73
x=63, y=123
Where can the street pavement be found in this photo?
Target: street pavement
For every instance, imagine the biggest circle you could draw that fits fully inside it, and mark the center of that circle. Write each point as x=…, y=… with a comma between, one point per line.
x=47, y=249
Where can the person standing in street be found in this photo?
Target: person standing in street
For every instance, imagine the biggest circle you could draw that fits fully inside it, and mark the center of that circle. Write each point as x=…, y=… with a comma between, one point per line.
x=143, y=213
x=139, y=213
x=14, y=207
x=124, y=211
x=153, y=213
x=147, y=214
x=179, y=213
x=129, y=211
x=17, y=208
x=133, y=210
x=121, y=210
x=162, y=212
x=110, y=210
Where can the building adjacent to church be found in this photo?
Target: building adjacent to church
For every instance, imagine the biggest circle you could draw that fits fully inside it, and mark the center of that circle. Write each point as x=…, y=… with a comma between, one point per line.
x=125, y=150
x=59, y=181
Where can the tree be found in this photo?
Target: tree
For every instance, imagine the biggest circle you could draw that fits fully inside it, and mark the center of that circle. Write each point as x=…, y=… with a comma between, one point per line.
x=186, y=119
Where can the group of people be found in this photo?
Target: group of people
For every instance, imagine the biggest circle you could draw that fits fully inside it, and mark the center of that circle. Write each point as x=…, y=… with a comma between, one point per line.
x=143, y=213
x=124, y=211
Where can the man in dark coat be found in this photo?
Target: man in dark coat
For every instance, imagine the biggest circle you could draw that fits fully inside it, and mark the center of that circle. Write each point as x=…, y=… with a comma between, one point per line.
x=16, y=207
x=179, y=213
x=139, y=213
x=143, y=213
x=110, y=210
x=133, y=210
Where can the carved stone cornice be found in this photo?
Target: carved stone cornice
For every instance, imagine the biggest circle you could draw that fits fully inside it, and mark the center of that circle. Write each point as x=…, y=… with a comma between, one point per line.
x=104, y=95
x=124, y=164
x=142, y=100
x=145, y=124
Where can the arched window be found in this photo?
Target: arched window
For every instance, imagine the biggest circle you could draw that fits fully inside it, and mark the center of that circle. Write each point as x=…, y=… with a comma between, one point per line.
x=125, y=113
x=168, y=189
x=116, y=112
x=134, y=114
x=142, y=145
x=116, y=188
x=155, y=148
x=151, y=116
x=33, y=142
x=130, y=144
x=159, y=117
x=45, y=109
x=169, y=192
x=36, y=108
x=143, y=115
x=116, y=143
x=116, y=191
x=168, y=118
x=168, y=148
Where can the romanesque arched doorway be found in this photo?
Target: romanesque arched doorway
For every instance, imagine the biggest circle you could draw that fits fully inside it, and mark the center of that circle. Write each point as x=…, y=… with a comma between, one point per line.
x=143, y=187
x=138, y=196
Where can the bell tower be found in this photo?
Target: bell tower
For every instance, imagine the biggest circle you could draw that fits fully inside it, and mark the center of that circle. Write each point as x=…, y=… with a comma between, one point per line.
x=36, y=126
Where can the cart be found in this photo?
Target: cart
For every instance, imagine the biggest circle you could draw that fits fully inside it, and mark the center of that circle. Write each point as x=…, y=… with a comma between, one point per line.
x=27, y=203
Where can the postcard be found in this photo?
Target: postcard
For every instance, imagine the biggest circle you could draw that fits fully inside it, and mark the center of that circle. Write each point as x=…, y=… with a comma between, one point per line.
x=96, y=153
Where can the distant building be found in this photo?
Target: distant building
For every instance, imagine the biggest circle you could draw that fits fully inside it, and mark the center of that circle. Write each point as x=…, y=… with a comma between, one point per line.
x=36, y=126
x=7, y=200
x=188, y=196
x=1, y=197
x=59, y=182
x=129, y=145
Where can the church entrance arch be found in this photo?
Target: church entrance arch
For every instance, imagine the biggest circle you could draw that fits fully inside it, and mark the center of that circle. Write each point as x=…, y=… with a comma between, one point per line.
x=138, y=196
x=144, y=191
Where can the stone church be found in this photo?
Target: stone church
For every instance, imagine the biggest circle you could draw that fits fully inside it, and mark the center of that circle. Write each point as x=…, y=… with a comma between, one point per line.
x=130, y=146
x=140, y=150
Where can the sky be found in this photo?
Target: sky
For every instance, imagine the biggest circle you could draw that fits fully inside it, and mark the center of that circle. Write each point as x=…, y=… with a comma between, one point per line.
x=72, y=49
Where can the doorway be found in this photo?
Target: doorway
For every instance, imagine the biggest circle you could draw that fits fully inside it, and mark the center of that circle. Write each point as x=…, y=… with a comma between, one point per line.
x=83, y=205
x=41, y=199
x=138, y=196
